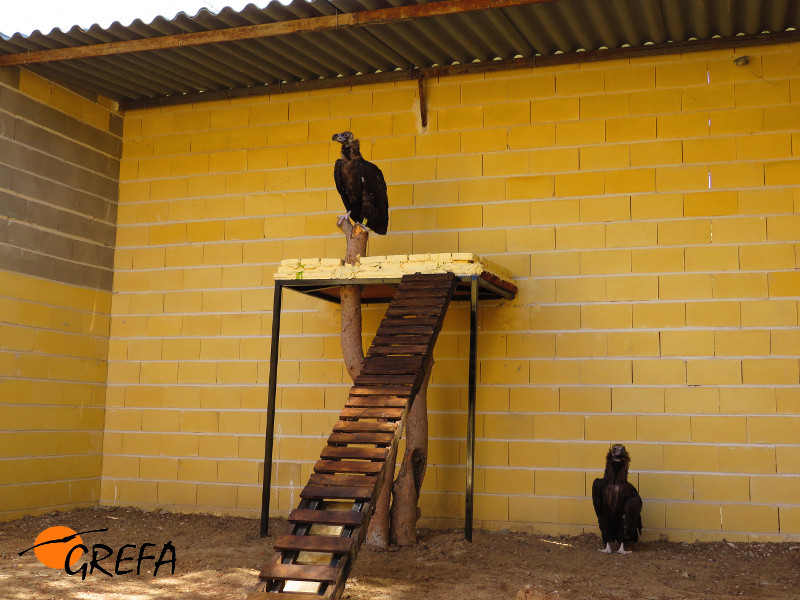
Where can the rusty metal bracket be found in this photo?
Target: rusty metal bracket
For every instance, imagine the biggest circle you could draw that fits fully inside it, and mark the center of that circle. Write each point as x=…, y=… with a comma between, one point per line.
x=423, y=105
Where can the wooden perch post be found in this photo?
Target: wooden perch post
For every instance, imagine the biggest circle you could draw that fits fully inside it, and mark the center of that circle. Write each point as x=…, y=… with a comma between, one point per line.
x=352, y=350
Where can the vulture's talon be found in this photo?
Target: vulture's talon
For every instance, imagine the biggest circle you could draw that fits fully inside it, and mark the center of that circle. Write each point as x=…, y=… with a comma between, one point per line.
x=342, y=218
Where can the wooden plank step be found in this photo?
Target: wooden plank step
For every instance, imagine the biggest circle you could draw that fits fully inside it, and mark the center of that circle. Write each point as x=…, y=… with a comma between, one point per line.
x=341, y=479
x=281, y=572
x=380, y=364
x=382, y=439
x=394, y=340
x=372, y=413
x=346, y=518
x=410, y=322
x=283, y=596
x=380, y=390
x=423, y=281
x=403, y=367
x=422, y=293
x=407, y=300
x=336, y=492
x=413, y=310
x=403, y=289
x=414, y=349
x=314, y=543
x=375, y=363
x=407, y=330
x=365, y=426
x=376, y=402
x=391, y=378
x=339, y=452
x=348, y=466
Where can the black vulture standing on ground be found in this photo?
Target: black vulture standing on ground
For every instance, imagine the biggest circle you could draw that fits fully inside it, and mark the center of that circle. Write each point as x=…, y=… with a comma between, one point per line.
x=617, y=502
x=361, y=186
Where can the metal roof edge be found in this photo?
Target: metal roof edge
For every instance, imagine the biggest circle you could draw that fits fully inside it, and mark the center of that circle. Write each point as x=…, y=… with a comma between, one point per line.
x=580, y=56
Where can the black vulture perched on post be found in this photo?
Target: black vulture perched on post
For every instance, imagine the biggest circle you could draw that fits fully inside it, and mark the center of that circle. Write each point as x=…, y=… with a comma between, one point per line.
x=617, y=502
x=361, y=186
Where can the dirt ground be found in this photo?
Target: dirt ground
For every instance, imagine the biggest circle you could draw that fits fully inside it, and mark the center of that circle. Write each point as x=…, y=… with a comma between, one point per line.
x=220, y=557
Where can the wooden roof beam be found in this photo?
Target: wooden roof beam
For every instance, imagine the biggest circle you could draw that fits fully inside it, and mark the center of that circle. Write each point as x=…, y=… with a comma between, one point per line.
x=311, y=25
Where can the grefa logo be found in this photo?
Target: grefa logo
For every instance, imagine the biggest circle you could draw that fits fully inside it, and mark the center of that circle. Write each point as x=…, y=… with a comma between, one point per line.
x=61, y=548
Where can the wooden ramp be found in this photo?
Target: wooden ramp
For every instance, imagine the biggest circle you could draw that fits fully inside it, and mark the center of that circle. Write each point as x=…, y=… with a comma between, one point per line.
x=314, y=557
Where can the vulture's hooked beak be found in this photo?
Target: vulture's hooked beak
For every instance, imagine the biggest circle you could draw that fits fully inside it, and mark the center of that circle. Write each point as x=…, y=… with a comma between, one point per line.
x=618, y=451
x=342, y=138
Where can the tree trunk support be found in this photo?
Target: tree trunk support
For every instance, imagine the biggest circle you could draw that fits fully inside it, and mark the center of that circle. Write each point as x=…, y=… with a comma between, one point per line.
x=407, y=486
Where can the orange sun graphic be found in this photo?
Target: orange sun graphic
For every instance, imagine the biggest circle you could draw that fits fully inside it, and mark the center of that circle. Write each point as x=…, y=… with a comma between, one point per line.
x=54, y=553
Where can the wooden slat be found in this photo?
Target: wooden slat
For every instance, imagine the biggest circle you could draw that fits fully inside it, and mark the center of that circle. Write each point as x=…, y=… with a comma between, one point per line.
x=412, y=311
x=299, y=572
x=350, y=518
x=423, y=281
x=418, y=287
x=335, y=492
x=371, y=413
x=421, y=293
x=399, y=349
x=364, y=426
x=380, y=390
x=336, y=452
x=386, y=364
x=341, y=479
x=383, y=439
x=405, y=330
x=393, y=340
x=348, y=466
x=417, y=322
x=387, y=378
x=407, y=301
x=377, y=364
x=313, y=543
x=379, y=361
x=376, y=402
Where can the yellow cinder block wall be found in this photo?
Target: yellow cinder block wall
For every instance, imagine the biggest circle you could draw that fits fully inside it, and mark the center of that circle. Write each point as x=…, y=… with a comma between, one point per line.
x=649, y=209
x=55, y=296
x=53, y=344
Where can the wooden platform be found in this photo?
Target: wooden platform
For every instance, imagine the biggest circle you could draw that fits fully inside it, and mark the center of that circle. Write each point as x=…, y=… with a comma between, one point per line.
x=326, y=530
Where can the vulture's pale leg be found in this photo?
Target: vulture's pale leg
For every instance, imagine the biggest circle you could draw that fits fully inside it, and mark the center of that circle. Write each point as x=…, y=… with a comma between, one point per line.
x=341, y=219
x=622, y=550
x=606, y=550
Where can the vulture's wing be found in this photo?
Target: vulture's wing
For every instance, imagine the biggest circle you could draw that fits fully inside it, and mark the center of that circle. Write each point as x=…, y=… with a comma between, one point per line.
x=597, y=496
x=339, y=178
x=375, y=205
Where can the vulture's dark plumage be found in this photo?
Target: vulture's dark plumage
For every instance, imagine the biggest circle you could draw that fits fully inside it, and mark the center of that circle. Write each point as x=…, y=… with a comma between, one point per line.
x=617, y=502
x=361, y=186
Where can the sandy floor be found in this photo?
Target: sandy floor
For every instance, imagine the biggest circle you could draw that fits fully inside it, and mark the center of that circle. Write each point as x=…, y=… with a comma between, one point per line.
x=219, y=557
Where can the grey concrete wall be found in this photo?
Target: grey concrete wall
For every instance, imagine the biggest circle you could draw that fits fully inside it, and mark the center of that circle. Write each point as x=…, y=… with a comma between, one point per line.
x=59, y=181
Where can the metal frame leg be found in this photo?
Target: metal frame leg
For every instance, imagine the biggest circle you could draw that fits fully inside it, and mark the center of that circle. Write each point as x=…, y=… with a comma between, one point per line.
x=268, y=436
x=472, y=399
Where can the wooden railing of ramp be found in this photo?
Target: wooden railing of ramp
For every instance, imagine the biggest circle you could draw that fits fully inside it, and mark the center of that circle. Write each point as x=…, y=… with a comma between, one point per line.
x=326, y=530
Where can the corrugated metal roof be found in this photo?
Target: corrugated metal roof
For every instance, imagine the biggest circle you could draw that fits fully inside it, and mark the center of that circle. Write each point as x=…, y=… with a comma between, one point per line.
x=539, y=29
